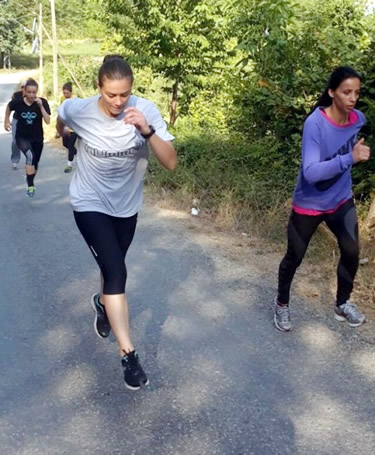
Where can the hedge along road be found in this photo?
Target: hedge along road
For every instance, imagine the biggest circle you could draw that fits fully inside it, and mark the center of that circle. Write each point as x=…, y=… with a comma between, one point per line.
x=223, y=379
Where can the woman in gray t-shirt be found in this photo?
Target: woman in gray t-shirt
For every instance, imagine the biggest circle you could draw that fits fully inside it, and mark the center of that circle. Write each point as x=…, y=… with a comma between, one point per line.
x=114, y=130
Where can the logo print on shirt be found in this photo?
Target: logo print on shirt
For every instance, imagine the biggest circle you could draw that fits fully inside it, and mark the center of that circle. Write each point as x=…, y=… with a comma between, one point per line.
x=29, y=117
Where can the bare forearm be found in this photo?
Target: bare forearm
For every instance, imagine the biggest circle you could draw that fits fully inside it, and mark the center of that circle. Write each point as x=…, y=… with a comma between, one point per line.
x=46, y=116
x=61, y=128
x=164, y=151
x=7, y=115
x=7, y=119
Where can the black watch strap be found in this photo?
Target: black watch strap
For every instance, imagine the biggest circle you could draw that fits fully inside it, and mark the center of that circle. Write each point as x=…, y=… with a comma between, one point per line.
x=152, y=132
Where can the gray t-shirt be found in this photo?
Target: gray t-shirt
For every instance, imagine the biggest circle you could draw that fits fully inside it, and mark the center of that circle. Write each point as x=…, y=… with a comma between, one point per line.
x=112, y=156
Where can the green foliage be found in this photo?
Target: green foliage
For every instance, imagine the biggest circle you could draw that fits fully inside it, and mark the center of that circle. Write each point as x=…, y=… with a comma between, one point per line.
x=364, y=174
x=247, y=73
x=85, y=70
x=12, y=32
x=74, y=18
x=182, y=41
x=292, y=48
x=213, y=165
x=152, y=87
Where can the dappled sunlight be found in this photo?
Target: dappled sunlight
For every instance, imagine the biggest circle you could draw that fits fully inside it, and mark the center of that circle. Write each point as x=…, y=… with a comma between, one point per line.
x=47, y=179
x=142, y=319
x=317, y=336
x=41, y=199
x=199, y=393
x=364, y=362
x=326, y=425
x=76, y=383
x=69, y=294
x=213, y=309
x=15, y=187
x=179, y=328
x=57, y=341
x=80, y=429
x=198, y=441
x=172, y=214
x=199, y=388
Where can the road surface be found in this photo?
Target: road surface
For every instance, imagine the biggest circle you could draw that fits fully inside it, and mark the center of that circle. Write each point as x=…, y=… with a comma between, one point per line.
x=223, y=380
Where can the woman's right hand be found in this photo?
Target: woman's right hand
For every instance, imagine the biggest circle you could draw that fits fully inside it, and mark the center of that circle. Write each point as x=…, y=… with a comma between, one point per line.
x=361, y=152
x=7, y=126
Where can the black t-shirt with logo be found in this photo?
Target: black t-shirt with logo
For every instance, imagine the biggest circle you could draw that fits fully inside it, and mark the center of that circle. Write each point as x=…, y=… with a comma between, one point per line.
x=17, y=96
x=30, y=119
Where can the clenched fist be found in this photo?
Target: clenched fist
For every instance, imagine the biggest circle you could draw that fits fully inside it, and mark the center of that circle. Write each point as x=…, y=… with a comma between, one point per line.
x=361, y=152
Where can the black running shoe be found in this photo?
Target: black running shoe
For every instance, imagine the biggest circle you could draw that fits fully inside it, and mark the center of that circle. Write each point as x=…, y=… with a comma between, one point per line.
x=101, y=323
x=134, y=375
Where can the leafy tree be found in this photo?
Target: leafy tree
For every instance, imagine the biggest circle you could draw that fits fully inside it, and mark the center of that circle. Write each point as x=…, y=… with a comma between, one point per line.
x=181, y=40
x=12, y=28
x=288, y=49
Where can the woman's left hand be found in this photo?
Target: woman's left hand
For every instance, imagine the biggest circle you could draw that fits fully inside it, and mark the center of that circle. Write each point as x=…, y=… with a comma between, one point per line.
x=135, y=117
x=38, y=102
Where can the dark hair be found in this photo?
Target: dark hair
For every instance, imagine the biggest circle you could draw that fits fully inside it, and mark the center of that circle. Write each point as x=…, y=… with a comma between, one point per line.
x=338, y=76
x=31, y=83
x=68, y=86
x=109, y=56
x=114, y=67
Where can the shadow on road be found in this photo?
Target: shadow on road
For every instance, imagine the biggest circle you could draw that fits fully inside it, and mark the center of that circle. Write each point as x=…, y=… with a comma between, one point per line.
x=223, y=380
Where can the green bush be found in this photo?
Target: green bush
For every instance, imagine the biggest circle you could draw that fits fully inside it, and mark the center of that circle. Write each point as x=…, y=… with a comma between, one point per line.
x=211, y=166
x=85, y=70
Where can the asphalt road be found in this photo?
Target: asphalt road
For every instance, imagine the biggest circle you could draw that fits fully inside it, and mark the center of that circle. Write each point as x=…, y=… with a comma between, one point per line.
x=223, y=380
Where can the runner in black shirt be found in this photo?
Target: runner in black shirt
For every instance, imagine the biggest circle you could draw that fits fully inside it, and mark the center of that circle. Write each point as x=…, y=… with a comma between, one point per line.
x=16, y=153
x=30, y=112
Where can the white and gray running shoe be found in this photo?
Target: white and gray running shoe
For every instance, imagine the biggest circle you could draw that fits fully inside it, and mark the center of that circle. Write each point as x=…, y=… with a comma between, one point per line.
x=282, y=317
x=350, y=313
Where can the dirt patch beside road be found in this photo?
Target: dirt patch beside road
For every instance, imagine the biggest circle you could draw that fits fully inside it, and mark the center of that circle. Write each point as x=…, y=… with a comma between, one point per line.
x=315, y=281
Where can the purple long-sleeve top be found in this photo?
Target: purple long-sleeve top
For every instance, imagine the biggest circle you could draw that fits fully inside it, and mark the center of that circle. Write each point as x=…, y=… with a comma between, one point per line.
x=325, y=180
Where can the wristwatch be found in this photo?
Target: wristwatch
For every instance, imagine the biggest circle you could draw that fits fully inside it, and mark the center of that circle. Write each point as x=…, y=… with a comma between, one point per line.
x=152, y=131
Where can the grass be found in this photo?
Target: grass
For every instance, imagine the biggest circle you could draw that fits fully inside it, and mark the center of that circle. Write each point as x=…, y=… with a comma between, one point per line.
x=88, y=48
x=68, y=48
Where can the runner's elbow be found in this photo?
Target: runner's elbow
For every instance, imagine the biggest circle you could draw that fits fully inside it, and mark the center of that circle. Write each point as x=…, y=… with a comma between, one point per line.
x=172, y=164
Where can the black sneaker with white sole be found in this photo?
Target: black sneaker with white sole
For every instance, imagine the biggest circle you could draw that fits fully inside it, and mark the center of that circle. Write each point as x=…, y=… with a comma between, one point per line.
x=134, y=375
x=101, y=323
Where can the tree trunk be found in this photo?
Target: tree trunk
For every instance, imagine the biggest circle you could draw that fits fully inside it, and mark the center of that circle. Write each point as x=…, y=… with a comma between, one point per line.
x=173, y=113
x=371, y=215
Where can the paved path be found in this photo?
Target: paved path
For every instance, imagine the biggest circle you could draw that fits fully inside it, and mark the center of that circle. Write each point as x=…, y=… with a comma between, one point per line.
x=223, y=380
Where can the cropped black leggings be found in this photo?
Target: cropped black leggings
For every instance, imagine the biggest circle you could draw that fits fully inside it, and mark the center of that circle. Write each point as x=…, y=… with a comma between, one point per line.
x=108, y=238
x=344, y=225
x=31, y=149
x=69, y=143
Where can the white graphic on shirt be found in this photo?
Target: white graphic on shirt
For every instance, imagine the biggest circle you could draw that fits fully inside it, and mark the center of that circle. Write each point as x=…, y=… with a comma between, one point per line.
x=111, y=153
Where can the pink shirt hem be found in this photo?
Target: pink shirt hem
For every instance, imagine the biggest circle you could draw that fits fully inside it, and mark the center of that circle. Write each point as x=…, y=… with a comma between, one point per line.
x=312, y=212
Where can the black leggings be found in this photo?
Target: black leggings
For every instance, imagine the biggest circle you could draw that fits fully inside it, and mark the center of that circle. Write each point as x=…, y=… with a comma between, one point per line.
x=344, y=225
x=69, y=143
x=31, y=149
x=108, y=238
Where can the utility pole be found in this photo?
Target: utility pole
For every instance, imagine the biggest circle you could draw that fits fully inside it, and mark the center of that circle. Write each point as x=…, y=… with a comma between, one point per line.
x=54, y=50
x=41, y=81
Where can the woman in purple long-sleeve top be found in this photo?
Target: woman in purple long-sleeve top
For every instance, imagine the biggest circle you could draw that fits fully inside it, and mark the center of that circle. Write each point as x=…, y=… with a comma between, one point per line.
x=324, y=192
